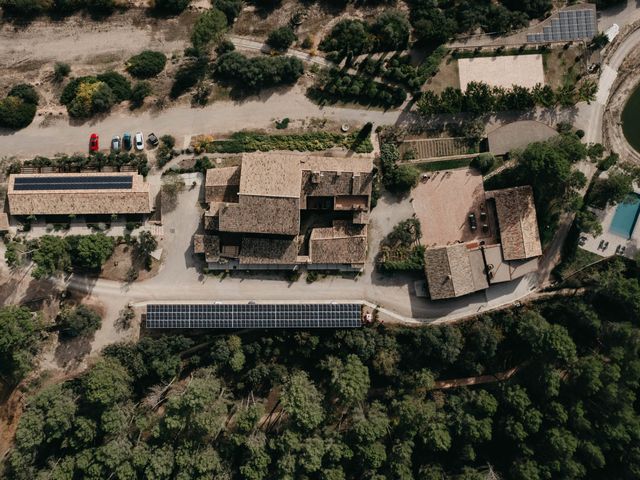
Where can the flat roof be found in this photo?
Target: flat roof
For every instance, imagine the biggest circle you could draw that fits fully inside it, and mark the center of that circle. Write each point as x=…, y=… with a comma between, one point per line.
x=78, y=194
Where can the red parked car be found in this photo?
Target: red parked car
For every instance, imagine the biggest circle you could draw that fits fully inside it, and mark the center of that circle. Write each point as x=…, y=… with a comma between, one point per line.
x=93, y=142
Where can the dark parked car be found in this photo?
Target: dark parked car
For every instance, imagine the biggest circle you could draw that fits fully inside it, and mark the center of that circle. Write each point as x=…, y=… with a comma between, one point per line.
x=126, y=141
x=153, y=140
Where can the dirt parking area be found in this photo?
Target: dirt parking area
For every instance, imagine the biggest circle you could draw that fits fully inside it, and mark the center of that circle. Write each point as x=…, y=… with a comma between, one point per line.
x=442, y=202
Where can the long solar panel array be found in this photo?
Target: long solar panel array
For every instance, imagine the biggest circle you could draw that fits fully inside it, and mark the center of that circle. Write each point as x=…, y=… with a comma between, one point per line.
x=310, y=315
x=75, y=182
x=568, y=25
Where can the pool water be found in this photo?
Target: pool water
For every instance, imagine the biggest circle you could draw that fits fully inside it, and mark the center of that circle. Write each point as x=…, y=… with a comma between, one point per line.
x=625, y=217
x=631, y=119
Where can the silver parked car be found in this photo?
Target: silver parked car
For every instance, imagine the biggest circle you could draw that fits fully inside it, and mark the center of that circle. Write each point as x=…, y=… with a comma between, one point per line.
x=138, y=141
x=115, y=143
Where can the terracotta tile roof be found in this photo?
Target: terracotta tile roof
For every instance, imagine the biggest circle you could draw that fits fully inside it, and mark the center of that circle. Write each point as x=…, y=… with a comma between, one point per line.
x=222, y=184
x=209, y=245
x=343, y=243
x=256, y=214
x=4, y=222
x=519, y=233
x=450, y=272
x=80, y=202
x=269, y=175
x=268, y=251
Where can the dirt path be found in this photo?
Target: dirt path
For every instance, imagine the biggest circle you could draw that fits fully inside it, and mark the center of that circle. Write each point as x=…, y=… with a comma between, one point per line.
x=465, y=382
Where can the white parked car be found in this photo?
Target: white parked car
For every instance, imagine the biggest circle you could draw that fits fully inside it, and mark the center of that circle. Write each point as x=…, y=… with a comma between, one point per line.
x=138, y=141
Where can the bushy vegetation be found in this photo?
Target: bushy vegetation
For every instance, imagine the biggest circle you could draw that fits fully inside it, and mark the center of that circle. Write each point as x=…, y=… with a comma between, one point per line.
x=139, y=92
x=548, y=168
x=19, y=107
x=165, y=150
x=302, y=142
x=334, y=85
x=483, y=162
x=20, y=335
x=208, y=29
x=557, y=401
x=389, y=32
x=188, y=75
x=53, y=254
x=281, y=38
x=86, y=96
x=60, y=71
x=31, y=8
x=252, y=74
x=401, y=250
x=76, y=163
x=146, y=64
x=397, y=178
x=480, y=98
x=78, y=321
x=171, y=7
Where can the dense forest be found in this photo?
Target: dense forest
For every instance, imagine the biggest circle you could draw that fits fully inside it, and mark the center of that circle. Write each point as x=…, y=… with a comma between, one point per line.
x=371, y=403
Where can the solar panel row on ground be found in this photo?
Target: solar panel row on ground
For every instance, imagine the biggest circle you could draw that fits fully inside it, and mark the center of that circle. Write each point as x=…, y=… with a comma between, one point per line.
x=567, y=26
x=254, y=316
x=70, y=182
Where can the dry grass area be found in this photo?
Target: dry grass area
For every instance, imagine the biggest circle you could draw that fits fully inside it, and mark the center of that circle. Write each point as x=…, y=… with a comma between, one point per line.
x=122, y=260
x=563, y=65
x=448, y=76
x=318, y=18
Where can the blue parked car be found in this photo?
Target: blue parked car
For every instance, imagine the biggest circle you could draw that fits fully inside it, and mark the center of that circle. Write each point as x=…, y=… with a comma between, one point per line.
x=126, y=141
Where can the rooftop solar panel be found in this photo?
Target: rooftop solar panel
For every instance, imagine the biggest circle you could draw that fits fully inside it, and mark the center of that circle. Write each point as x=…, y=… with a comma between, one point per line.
x=241, y=316
x=74, y=182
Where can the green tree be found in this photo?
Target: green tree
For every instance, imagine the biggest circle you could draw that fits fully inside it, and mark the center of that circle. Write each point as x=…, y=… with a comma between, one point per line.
x=613, y=189
x=391, y=31
x=20, y=334
x=348, y=37
x=51, y=256
x=349, y=379
x=588, y=222
x=139, y=92
x=587, y=91
x=120, y=86
x=90, y=251
x=302, y=401
x=78, y=321
x=60, y=71
x=172, y=7
x=106, y=383
x=208, y=29
x=281, y=38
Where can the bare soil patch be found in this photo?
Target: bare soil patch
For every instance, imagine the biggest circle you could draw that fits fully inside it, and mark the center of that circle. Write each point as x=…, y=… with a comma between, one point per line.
x=563, y=65
x=448, y=76
x=123, y=258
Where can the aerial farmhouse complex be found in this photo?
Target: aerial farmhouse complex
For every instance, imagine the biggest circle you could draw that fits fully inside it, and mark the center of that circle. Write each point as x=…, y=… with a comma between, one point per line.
x=278, y=211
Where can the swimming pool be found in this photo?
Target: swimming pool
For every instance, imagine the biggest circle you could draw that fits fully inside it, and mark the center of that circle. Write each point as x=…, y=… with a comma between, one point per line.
x=624, y=220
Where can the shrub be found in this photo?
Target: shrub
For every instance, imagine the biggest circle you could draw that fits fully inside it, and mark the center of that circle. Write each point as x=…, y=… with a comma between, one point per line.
x=79, y=321
x=208, y=29
x=230, y=8
x=171, y=6
x=188, y=75
x=119, y=85
x=483, y=162
x=396, y=178
x=146, y=64
x=26, y=8
x=139, y=92
x=60, y=71
x=25, y=92
x=257, y=72
x=93, y=97
x=15, y=113
x=307, y=43
x=281, y=38
x=225, y=46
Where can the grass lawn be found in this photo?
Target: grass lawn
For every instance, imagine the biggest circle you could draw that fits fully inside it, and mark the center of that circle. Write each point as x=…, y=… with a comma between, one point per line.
x=443, y=164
